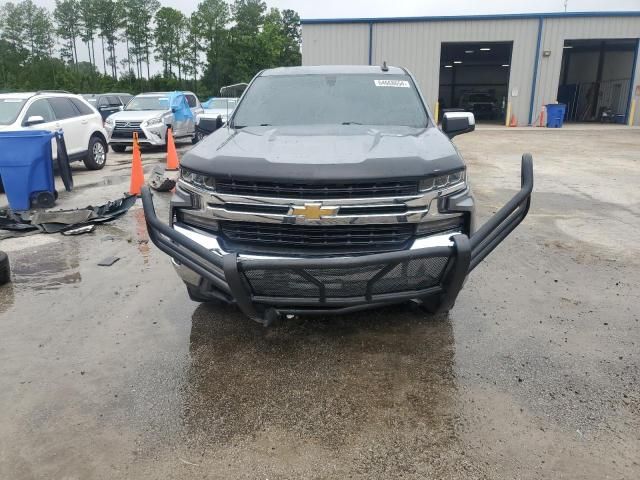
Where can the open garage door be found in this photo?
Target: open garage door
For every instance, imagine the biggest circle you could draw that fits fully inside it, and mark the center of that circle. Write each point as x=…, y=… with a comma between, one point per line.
x=475, y=77
x=595, y=79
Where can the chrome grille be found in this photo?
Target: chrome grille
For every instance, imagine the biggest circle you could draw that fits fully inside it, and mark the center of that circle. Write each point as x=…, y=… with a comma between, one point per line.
x=125, y=129
x=366, y=237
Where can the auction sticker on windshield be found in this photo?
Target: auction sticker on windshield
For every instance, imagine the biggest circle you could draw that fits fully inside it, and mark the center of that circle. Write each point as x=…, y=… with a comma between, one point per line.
x=392, y=83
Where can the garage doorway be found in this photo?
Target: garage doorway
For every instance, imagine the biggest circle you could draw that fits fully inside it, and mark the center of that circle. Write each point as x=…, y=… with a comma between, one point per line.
x=595, y=79
x=475, y=77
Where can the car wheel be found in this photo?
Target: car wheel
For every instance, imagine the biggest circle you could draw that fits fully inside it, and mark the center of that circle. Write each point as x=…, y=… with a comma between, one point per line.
x=119, y=148
x=97, y=156
x=5, y=269
x=197, y=137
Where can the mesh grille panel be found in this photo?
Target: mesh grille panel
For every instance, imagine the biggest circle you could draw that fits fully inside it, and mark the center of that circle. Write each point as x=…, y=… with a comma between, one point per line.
x=415, y=274
x=322, y=236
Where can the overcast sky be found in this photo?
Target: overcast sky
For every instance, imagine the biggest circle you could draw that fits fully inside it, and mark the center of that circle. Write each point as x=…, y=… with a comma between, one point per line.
x=407, y=8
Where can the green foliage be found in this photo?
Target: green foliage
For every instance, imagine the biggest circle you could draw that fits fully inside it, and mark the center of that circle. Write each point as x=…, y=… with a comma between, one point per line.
x=222, y=43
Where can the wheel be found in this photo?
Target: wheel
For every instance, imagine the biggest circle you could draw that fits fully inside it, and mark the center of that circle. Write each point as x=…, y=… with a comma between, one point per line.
x=197, y=137
x=5, y=269
x=97, y=156
x=119, y=148
x=44, y=199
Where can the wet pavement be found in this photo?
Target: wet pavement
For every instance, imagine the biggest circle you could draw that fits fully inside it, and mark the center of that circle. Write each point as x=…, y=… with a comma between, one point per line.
x=112, y=372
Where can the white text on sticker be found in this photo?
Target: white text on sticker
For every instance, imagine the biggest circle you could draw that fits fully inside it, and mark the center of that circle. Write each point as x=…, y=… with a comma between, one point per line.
x=392, y=83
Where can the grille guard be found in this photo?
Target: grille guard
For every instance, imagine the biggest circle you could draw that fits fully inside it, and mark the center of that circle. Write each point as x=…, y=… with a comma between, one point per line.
x=227, y=273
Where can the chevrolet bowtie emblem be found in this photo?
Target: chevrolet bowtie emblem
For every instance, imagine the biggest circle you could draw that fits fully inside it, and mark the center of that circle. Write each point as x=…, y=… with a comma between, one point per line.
x=313, y=211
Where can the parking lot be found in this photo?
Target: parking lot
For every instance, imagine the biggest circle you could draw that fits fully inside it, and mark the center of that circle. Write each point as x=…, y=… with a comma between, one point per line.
x=112, y=372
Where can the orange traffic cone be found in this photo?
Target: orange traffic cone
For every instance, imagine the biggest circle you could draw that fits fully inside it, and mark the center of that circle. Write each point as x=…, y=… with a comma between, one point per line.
x=513, y=122
x=172, y=156
x=541, y=124
x=137, y=173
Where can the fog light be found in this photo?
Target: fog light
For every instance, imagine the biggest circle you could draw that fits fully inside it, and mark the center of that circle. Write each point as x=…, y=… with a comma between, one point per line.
x=440, y=226
x=189, y=218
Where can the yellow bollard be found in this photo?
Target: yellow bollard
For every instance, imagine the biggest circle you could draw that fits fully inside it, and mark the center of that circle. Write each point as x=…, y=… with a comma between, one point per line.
x=632, y=112
x=437, y=112
x=507, y=117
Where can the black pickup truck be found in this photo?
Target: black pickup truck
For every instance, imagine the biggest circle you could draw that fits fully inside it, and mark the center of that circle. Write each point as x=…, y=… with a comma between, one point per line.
x=330, y=190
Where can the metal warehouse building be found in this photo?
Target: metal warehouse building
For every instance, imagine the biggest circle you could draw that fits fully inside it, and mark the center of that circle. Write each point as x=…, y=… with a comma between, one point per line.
x=589, y=61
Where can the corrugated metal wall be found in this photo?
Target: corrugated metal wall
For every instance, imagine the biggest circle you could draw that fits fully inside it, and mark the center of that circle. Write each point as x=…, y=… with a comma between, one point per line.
x=335, y=44
x=556, y=30
x=416, y=45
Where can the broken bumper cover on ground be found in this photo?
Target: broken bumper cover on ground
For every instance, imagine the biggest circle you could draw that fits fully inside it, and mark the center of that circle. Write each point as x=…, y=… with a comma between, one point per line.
x=342, y=284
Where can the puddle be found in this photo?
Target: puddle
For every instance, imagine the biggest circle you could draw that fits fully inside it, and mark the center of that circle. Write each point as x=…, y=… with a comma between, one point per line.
x=47, y=268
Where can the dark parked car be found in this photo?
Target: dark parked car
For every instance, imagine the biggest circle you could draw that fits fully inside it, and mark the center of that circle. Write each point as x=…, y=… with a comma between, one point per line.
x=482, y=105
x=330, y=190
x=107, y=103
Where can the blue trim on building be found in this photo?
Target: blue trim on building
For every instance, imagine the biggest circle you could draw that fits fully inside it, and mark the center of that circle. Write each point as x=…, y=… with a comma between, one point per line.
x=370, y=43
x=633, y=77
x=508, y=16
x=535, y=70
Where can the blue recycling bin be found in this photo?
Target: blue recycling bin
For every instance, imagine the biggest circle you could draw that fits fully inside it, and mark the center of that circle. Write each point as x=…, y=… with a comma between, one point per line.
x=555, y=114
x=26, y=166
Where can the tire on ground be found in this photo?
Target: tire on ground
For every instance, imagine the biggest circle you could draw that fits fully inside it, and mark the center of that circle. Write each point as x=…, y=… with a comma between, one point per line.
x=5, y=269
x=96, y=157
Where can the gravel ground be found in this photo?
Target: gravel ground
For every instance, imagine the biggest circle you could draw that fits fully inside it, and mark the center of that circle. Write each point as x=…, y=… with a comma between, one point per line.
x=111, y=372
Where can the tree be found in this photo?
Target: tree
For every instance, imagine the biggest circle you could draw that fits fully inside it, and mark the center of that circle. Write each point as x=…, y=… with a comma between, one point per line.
x=211, y=19
x=168, y=38
x=65, y=16
x=290, y=55
x=109, y=19
x=89, y=25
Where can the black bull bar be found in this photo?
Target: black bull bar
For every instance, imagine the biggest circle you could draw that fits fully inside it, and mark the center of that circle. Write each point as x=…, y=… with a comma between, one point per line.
x=343, y=284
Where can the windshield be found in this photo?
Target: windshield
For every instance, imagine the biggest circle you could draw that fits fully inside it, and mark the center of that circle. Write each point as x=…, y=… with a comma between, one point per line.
x=10, y=109
x=222, y=103
x=331, y=100
x=148, y=103
x=480, y=97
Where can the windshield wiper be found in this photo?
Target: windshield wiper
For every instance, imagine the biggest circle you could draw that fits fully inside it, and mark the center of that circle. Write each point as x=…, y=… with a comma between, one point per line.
x=351, y=123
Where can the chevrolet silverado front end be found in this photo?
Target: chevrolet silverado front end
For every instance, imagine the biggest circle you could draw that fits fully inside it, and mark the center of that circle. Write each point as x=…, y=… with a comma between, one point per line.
x=330, y=190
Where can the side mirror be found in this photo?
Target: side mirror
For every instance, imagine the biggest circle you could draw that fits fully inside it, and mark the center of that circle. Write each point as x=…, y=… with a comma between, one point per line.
x=121, y=108
x=456, y=123
x=174, y=109
x=34, y=120
x=219, y=122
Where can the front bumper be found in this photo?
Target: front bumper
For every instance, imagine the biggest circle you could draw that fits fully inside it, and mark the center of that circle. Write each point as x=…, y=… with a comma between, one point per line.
x=262, y=286
x=147, y=135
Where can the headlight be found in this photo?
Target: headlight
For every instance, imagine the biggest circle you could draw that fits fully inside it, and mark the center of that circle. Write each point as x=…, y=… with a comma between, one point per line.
x=109, y=121
x=197, y=179
x=442, y=181
x=154, y=121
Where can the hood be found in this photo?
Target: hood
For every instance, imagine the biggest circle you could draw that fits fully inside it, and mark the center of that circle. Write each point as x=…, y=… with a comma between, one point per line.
x=137, y=115
x=324, y=153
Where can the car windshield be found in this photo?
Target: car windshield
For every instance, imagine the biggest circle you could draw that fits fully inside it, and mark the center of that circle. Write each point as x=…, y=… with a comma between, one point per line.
x=10, y=109
x=148, y=103
x=341, y=99
x=222, y=103
x=480, y=97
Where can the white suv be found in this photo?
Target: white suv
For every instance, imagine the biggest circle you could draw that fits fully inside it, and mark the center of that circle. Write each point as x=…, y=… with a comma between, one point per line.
x=84, y=135
x=149, y=114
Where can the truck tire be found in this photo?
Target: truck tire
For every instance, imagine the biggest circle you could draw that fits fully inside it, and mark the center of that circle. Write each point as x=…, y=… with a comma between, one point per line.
x=5, y=269
x=119, y=148
x=96, y=157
